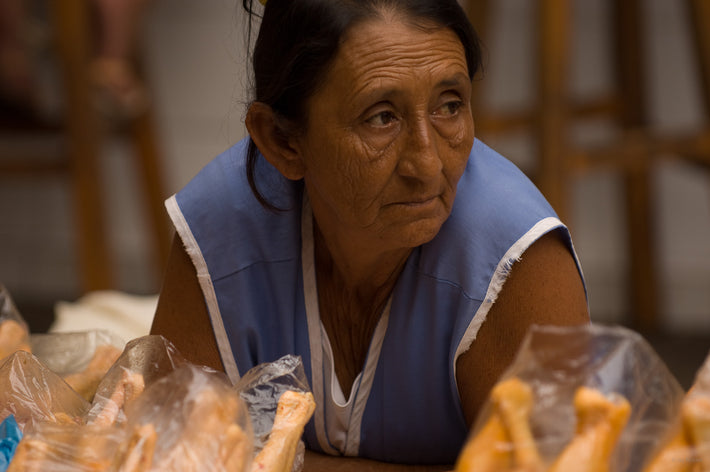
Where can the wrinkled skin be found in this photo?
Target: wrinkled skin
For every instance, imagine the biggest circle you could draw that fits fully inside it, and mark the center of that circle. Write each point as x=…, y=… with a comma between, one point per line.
x=388, y=137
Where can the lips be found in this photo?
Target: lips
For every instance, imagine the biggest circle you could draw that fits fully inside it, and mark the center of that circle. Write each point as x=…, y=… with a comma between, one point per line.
x=417, y=201
x=421, y=201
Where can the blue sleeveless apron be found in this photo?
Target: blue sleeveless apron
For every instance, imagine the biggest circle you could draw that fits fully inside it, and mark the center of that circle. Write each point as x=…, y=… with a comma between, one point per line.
x=255, y=268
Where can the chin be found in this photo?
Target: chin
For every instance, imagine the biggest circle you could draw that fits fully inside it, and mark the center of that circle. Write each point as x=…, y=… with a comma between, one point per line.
x=420, y=233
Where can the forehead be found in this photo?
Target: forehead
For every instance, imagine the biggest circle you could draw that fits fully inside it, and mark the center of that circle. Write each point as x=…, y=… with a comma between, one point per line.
x=392, y=49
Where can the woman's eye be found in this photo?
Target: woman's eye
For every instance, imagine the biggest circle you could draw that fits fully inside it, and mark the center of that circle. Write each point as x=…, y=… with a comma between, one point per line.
x=449, y=108
x=383, y=118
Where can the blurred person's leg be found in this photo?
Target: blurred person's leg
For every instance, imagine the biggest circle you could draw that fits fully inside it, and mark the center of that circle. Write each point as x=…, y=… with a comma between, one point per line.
x=120, y=89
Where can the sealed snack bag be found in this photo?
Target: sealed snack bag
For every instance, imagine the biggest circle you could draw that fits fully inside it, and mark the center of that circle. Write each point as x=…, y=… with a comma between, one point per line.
x=280, y=404
x=192, y=420
x=14, y=333
x=687, y=449
x=143, y=361
x=33, y=393
x=588, y=399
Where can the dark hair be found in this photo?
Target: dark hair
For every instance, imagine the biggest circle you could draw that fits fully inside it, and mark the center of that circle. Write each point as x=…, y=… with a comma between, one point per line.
x=298, y=39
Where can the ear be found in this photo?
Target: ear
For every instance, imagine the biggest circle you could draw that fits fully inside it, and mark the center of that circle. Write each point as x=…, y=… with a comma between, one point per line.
x=273, y=141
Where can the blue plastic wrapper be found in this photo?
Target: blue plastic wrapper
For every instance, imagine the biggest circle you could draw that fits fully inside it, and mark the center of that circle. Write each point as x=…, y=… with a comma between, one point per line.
x=10, y=436
x=261, y=387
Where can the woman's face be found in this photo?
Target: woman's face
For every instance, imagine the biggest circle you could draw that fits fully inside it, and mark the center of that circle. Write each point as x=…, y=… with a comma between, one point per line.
x=388, y=134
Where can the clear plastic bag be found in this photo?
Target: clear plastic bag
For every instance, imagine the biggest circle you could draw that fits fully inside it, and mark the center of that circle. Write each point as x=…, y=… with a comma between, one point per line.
x=143, y=361
x=152, y=410
x=200, y=422
x=33, y=393
x=558, y=388
x=262, y=387
x=687, y=448
x=14, y=332
x=80, y=358
x=187, y=418
x=69, y=353
x=68, y=447
x=696, y=416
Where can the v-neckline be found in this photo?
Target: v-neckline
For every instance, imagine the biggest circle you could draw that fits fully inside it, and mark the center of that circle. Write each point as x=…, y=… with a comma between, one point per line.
x=324, y=393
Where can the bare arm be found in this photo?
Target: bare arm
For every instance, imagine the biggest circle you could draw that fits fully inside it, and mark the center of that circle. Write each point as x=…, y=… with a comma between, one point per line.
x=544, y=287
x=181, y=315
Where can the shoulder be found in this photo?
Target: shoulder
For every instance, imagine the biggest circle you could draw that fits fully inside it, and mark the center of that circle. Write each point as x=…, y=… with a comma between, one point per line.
x=544, y=287
x=218, y=217
x=494, y=189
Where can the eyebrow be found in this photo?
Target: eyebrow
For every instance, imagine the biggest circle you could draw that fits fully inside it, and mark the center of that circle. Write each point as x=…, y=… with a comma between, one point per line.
x=454, y=81
x=374, y=94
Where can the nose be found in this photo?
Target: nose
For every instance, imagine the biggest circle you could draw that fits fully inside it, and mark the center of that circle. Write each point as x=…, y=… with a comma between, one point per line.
x=420, y=157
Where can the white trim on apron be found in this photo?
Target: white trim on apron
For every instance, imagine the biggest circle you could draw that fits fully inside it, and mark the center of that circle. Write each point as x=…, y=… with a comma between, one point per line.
x=337, y=421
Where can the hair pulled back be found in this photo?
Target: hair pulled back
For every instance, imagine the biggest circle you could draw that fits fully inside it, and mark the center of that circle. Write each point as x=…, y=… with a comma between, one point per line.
x=298, y=40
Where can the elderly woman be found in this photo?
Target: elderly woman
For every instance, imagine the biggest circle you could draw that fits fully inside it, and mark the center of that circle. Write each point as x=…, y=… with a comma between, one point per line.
x=362, y=227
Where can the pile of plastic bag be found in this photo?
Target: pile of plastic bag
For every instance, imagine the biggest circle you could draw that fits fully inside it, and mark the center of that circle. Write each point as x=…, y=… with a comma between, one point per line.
x=90, y=402
x=582, y=399
x=590, y=399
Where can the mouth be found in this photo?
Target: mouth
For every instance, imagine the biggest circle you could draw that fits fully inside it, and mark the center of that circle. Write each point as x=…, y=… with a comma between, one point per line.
x=418, y=201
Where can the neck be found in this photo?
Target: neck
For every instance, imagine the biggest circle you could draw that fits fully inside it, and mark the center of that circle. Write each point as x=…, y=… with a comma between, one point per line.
x=354, y=283
x=367, y=274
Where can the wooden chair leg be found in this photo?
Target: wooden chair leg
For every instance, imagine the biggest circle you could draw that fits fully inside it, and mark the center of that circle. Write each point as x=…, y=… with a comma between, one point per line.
x=644, y=296
x=700, y=27
x=553, y=57
x=71, y=20
x=143, y=132
x=699, y=19
x=641, y=238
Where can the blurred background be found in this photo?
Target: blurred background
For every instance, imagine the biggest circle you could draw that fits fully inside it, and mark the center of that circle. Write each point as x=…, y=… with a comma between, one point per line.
x=193, y=68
